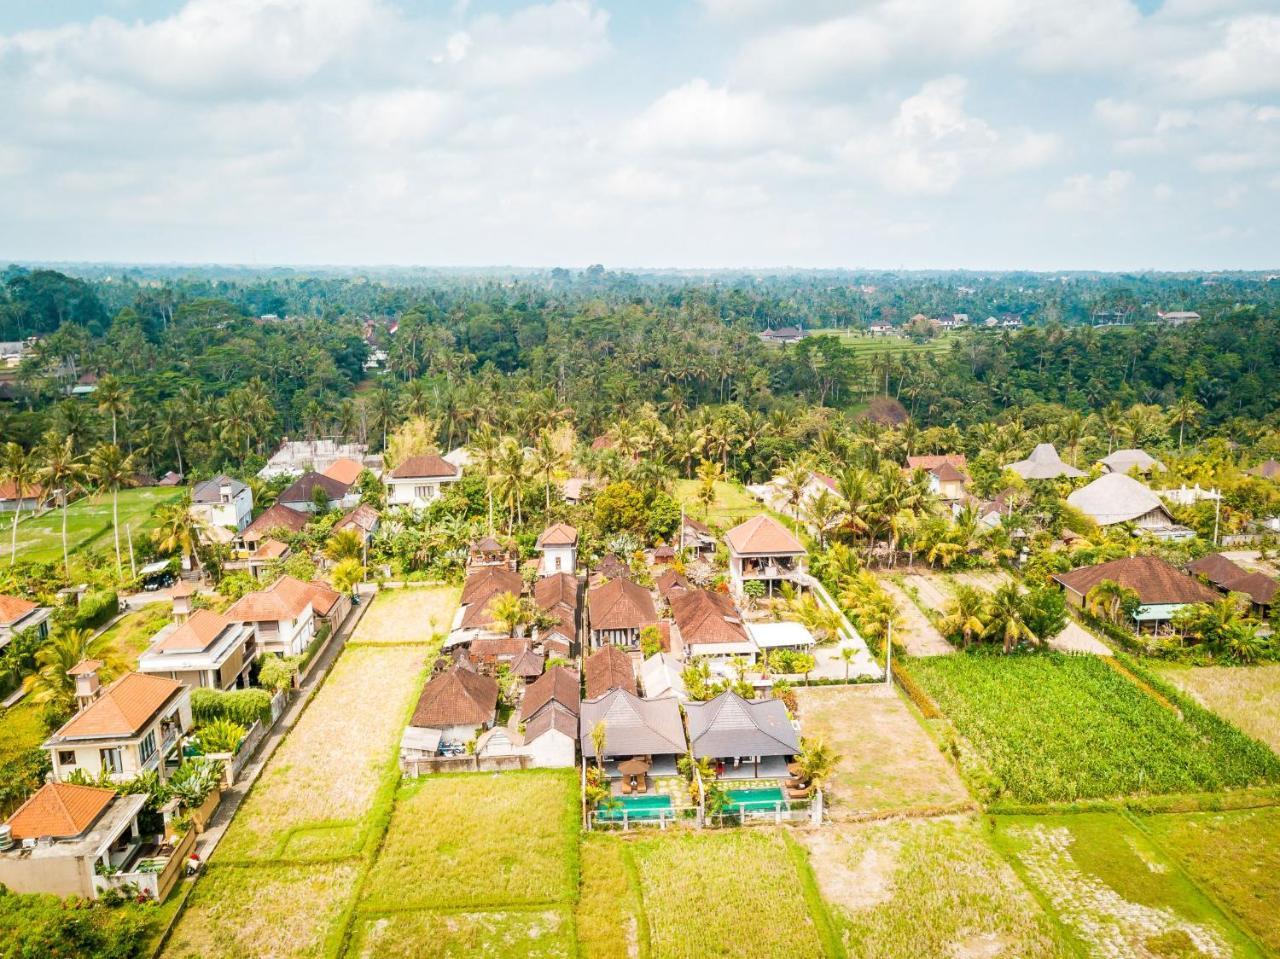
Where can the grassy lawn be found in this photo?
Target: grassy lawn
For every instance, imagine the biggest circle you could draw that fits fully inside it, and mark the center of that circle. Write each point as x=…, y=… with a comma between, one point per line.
x=409, y=615
x=734, y=894
x=1236, y=856
x=1115, y=891
x=271, y=912
x=610, y=917
x=1249, y=696
x=131, y=635
x=329, y=769
x=88, y=524
x=928, y=887
x=21, y=728
x=888, y=762
x=478, y=840
x=732, y=505
x=1049, y=728
x=512, y=934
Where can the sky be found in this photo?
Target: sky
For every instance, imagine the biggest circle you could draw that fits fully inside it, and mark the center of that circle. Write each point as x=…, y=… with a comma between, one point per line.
x=890, y=134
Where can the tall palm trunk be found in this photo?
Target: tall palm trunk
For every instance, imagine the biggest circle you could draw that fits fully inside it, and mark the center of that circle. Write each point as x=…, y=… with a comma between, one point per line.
x=115, y=526
x=66, y=561
x=13, y=539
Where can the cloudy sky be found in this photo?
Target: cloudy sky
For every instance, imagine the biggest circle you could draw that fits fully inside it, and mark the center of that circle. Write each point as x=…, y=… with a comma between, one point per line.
x=1113, y=134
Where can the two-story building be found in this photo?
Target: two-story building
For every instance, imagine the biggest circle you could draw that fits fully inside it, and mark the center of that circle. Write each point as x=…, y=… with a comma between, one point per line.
x=222, y=501
x=281, y=615
x=205, y=650
x=420, y=480
x=18, y=614
x=558, y=545
x=126, y=728
x=763, y=549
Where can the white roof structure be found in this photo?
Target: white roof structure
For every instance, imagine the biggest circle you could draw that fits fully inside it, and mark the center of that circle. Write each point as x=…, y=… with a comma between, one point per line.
x=1122, y=461
x=780, y=635
x=420, y=739
x=1044, y=463
x=661, y=676
x=1117, y=498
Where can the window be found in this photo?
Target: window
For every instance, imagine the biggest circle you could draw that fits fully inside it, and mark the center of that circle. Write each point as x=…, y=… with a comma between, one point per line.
x=111, y=762
x=66, y=757
x=421, y=492
x=147, y=748
x=559, y=560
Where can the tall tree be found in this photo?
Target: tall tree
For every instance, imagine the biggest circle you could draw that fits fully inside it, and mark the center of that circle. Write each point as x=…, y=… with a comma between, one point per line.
x=18, y=469
x=62, y=474
x=111, y=469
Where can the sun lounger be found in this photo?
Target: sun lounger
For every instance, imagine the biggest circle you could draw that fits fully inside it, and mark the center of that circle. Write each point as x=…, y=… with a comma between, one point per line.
x=626, y=786
x=804, y=793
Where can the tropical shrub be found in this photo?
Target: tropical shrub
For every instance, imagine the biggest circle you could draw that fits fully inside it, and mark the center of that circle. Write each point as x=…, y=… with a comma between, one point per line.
x=95, y=609
x=221, y=736
x=194, y=780
x=277, y=672
x=242, y=706
x=46, y=925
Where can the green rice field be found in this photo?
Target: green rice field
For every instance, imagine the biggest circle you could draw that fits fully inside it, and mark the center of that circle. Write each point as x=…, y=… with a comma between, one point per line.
x=88, y=524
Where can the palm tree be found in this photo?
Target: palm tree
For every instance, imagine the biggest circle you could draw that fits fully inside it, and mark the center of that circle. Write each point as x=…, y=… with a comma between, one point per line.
x=709, y=474
x=62, y=473
x=343, y=545
x=966, y=614
x=484, y=444
x=510, y=612
x=847, y=654
x=510, y=479
x=111, y=469
x=546, y=459
x=1184, y=412
x=18, y=468
x=347, y=575
x=65, y=648
x=177, y=531
x=1005, y=619
x=816, y=760
x=824, y=513
x=174, y=425
x=1108, y=599
x=792, y=481
x=113, y=398
x=599, y=736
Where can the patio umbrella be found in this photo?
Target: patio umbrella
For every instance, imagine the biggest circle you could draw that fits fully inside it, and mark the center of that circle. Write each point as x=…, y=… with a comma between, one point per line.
x=634, y=766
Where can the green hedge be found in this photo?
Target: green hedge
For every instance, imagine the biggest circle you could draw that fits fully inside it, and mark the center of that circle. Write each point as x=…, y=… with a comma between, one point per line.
x=96, y=608
x=243, y=706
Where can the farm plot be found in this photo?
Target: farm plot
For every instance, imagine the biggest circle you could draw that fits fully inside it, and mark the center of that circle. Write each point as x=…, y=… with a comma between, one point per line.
x=88, y=524
x=928, y=887
x=409, y=615
x=887, y=760
x=268, y=912
x=610, y=919
x=1052, y=728
x=524, y=934
x=1235, y=855
x=322, y=781
x=742, y=894
x=731, y=506
x=479, y=840
x=1115, y=891
x=1249, y=696
x=917, y=635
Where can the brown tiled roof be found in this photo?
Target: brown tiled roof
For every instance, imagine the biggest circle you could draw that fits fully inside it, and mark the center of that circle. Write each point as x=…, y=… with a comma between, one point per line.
x=278, y=516
x=183, y=589
x=122, y=709
x=1268, y=470
x=1258, y=587
x=456, y=697
x=303, y=488
x=423, y=467
x=608, y=668
x=697, y=526
x=194, y=635
x=528, y=664
x=60, y=810
x=84, y=667
x=364, y=517
x=612, y=566
x=9, y=490
x=488, y=582
x=1155, y=581
x=323, y=597
x=345, y=471
x=929, y=463
x=669, y=581
x=497, y=647
x=13, y=608
x=763, y=534
x=487, y=544
x=705, y=617
x=286, y=598
x=558, y=534
x=1226, y=575
x=556, y=589
x=270, y=549
x=948, y=473
x=557, y=684
x=621, y=604
x=554, y=717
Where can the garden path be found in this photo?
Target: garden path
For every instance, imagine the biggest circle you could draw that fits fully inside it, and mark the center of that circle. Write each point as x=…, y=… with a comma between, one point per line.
x=917, y=635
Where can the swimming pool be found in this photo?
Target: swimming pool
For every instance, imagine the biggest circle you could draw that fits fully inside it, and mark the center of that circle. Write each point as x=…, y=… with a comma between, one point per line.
x=636, y=807
x=767, y=797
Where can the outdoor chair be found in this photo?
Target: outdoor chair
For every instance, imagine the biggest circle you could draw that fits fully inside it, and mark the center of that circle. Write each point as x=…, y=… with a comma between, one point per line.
x=642, y=785
x=804, y=793
x=626, y=786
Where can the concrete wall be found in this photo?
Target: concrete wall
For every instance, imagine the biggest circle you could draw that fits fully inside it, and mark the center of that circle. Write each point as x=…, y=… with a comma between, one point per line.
x=60, y=875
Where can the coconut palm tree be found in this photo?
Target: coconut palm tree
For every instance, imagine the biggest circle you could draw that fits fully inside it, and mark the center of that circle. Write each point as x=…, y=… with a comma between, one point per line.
x=709, y=474
x=1005, y=620
x=793, y=479
x=1108, y=599
x=546, y=459
x=66, y=648
x=112, y=397
x=966, y=614
x=510, y=477
x=110, y=469
x=177, y=531
x=1183, y=413
x=342, y=545
x=599, y=738
x=18, y=468
x=511, y=612
x=63, y=474
x=483, y=445
x=824, y=513
x=816, y=760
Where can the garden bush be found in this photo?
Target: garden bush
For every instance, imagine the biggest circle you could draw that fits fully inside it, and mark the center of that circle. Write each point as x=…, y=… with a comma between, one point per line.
x=96, y=608
x=45, y=925
x=242, y=706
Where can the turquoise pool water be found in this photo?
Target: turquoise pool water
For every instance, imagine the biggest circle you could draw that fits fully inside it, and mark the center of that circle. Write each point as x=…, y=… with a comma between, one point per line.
x=763, y=798
x=637, y=807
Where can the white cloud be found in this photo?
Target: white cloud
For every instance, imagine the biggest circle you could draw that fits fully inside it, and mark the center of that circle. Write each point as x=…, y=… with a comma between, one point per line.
x=699, y=118
x=1087, y=193
x=536, y=43
x=1231, y=162
x=634, y=183
x=1245, y=61
x=1121, y=116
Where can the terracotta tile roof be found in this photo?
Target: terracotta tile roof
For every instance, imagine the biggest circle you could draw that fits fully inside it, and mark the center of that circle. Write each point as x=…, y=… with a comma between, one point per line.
x=1155, y=581
x=557, y=684
x=557, y=589
x=498, y=647
x=278, y=516
x=608, y=668
x=763, y=534
x=122, y=709
x=13, y=608
x=424, y=467
x=9, y=490
x=183, y=589
x=612, y=567
x=323, y=597
x=1268, y=470
x=60, y=810
x=1226, y=575
x=558, y=534
x=345, y=471
x=697, y=526
x=302, y=490
x=487, y=544
x=947, y=473
x=364, y=518
x=707, y=618
x=932, y=462
x=286, y=598
x=554, y=717
x=457, y=697
x=486, y=583
x=84, y=667
x=270, y=549
x=669, y=582
x=621, y=604
x=528, y=665
x=196, y=634
x=827, y=481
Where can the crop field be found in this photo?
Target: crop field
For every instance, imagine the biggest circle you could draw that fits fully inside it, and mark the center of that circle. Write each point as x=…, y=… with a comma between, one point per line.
x=1235, y=855
x=545, y=933
x=329, y=768
x=610, y=918
x=928, y=887
x=887, y=760
x=479, y=839
x=751, y=891
x=732, y=505
x=1115, y=891
x=275, y=912
x=410, y=615
x=88, y=524
x=1249, y=696
x=1052, y=728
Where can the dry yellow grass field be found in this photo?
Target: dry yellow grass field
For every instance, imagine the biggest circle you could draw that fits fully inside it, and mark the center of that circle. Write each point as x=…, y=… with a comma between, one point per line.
x=413, y=614
x=331, y=764
x=888, y=762
x=1249, y=696
x=267, y=912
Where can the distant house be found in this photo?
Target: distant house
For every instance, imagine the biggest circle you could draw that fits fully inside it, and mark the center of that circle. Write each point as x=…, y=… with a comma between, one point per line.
x=282, y=616
x=880, y=329
x=608, y=668
x=785, y=635
x=947, y=474
x=1178, y=317
x=551, y=738
x=763, y=549
x=617, y=611
x=1044, y=463
x=558, y=545
x=123, y=729
x=18, y=614
x=558, y=686
x=559, y=596
x=528, y=665
x=741, y=736
x=633, y=727
x=295, y=457
x=345, y=470
x=275, y=519
x=669, y=582
x=709, y=624
x=784, y=334
x=10, y=501
x=459, y=703
x=576, y=489
x=662, y=676
x=1127, y=461
x=1268, y=470
x=269, y=551
x=487, y=551
x=363, y=520
x=1232, y=578
x=301, y=494
x=419, y=481
x=206, y=650
x=1116, y=498
x=696, y=536
x=482, y=586
x=1162, y=588
x=492, y=650
x=222, y=501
